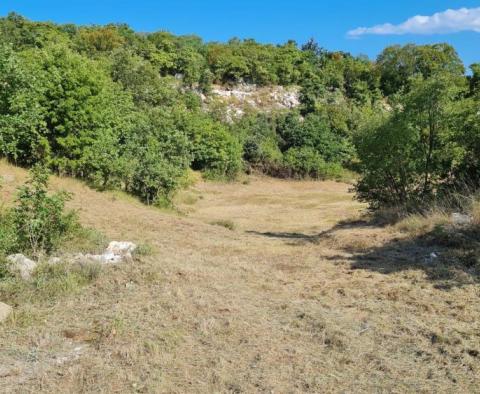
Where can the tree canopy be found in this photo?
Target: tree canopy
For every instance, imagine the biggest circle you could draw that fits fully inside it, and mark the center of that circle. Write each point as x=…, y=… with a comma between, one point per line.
x=122, y=109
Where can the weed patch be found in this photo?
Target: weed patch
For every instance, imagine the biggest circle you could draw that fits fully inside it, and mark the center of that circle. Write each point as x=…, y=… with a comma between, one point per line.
x=48, y=283
x=228, y=224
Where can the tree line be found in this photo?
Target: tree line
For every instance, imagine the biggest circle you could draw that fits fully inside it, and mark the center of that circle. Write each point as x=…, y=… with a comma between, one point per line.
x=122, y=109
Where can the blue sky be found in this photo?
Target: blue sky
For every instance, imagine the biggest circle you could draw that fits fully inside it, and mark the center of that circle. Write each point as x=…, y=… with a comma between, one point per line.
x=277, y=21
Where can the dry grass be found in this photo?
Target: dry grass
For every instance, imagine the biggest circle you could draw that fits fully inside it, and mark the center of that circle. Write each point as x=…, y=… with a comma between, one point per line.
x=417, y=225
x=299, y=299
x=475, y=211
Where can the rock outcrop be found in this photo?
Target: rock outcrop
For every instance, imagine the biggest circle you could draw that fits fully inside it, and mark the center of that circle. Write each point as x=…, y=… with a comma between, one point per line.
x=244, y=97
x=123, y=249
x=115, y=253
x=460, y=219
x=22, y=265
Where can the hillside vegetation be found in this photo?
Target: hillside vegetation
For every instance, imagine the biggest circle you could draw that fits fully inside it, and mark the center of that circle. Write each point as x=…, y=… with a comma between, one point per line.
x=124, y=110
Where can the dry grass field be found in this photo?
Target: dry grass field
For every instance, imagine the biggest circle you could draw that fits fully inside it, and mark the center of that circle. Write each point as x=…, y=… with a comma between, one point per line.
x=262, y=286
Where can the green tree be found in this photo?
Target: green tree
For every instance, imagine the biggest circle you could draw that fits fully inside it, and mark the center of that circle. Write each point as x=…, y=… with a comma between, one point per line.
x=314, y=132
x=79, y=103
x=405, y=156
x=397, y=64
x=215, y=150
x=474, y=79
x=22, y=127
x=158, y=153
x=260, y=141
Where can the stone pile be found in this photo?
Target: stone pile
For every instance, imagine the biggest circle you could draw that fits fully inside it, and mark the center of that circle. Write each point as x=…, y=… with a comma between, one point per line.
x=115, y=253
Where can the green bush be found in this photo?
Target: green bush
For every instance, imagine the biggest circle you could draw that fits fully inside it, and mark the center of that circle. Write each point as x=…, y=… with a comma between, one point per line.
x=158, y=156
x=306, y=162
x=314, y=132
x=39, y=219
x=409, y=154
x=215, y=150
x=8, y=237
x=262, y=152
x=260, y=141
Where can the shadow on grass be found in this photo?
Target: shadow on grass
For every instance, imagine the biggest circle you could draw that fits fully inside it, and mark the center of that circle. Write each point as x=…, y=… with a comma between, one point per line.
x=315, y=238
x=449, y=256
x=447, y=265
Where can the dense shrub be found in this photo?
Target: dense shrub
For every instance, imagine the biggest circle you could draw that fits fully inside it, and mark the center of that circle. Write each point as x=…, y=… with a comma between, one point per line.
x=158, y=154
x=22, y=128
x=123, y=110
x=276, y=143
x=215, y=150
x=260, y=141
x=39, y=218
x=63, y=110
x=307, y=162
x=38, y=222
x=408, y=155
x=314, y=132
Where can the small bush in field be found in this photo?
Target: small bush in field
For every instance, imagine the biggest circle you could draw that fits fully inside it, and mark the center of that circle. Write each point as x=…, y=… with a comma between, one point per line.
x=144, y=250
x=216, y=152
x=39, y=219
x=228, y=224
x=8, y=237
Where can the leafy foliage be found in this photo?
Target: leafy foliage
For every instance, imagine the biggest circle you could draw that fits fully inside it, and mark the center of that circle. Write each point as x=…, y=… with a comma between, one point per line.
x=301, y=162
x=397, y=64
x=158, y=154
x=214, y=149
x=408, y=155
x=124, y=110
x=38, y=222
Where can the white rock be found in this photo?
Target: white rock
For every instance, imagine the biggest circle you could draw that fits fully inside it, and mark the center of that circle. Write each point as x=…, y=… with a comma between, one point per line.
x=116, y=252
x=460, y=219
x=431, y=258
x=121, y=248
x=22, y=265
x=54, y=260
x=106, y=258
x=5, y=311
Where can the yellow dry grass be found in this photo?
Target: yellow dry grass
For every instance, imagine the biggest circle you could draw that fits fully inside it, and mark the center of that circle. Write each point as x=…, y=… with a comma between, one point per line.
x=298, y=298
x=475, y=210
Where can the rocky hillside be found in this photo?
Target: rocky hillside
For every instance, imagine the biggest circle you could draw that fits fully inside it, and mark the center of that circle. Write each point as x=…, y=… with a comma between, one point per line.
x=244, y=98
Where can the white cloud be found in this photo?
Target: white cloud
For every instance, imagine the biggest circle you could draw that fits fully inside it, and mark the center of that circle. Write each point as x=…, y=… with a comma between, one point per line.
x=449, y=21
